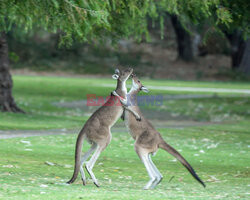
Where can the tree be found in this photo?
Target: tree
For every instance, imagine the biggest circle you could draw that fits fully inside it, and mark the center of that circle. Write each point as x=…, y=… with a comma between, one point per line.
x=237, y=43
x=183, y=39
x=79, y=20
x=237, y=30
x=245, y=61
x=6, y=100
x=230, y=17
x=89, y=20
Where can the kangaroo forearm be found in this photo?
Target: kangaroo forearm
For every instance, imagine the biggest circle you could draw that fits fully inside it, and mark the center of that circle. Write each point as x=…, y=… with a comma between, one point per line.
x=125, y=106
x=133, y=112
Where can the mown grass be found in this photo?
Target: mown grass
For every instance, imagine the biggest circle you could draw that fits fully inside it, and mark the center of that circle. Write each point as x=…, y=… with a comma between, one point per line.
x=219, y=155
x=213, y=109
x=38, y=167
x=36, y=95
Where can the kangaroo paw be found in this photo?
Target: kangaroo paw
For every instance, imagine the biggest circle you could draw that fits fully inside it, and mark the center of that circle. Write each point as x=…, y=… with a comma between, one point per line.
x=84, y=182
x=138, y=119
x=96, y=184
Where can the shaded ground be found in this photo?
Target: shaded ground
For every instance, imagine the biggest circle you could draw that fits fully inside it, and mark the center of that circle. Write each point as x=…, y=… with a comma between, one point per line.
x=50, y=104
x=192, y=89
x=28, y=133
x=119, y=127
x=160, y=119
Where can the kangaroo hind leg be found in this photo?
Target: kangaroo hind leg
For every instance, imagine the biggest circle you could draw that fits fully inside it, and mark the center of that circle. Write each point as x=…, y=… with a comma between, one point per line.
x=144, y=156
x=83, y=159
x=157, y=172
x=90, y=164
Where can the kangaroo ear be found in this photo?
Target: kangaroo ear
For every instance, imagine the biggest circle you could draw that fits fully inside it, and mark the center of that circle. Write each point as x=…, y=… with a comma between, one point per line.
x=115, y=76
x=117, y=71
x=144, y=89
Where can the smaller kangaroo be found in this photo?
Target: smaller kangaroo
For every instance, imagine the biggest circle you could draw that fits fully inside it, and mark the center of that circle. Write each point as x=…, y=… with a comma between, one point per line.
x=148, y=140
x=97, y=128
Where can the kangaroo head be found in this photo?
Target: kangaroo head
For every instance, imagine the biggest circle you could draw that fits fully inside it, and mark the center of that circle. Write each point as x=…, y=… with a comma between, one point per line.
x=122, y=75
x=137, y=85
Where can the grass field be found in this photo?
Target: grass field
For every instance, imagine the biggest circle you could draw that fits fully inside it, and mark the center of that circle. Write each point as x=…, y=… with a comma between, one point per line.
x=36, y=94
x=38, y=167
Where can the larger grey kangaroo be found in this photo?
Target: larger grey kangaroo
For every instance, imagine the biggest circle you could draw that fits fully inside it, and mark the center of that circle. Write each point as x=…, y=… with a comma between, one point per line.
x=97, y=129
x=147, y=139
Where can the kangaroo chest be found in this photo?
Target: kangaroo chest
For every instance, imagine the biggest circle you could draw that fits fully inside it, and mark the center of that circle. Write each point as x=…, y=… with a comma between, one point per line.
x=130, y=123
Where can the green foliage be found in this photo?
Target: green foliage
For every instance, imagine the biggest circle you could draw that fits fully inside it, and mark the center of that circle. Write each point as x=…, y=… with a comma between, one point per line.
x=13, y=57
x=234, y=14
x=94, y=19
x=224, y=15
x=81, y=20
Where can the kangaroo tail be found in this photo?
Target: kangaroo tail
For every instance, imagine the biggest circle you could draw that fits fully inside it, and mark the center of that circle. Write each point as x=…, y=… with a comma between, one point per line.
x=78, y=151
x=177, y=155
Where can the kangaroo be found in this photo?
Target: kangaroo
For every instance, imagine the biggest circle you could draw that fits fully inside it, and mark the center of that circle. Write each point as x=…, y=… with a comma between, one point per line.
x=148, y=140
x=97, y=129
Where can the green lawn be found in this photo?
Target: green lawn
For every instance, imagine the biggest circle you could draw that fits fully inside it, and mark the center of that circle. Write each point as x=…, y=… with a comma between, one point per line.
x=220, y=157
x=36, y=95
x=218, y=152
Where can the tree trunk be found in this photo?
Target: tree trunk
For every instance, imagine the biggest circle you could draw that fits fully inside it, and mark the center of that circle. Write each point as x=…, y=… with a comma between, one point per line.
x=184, y=40
x=7, y=102
x=237, y=47
x=245, y=62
